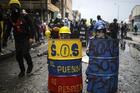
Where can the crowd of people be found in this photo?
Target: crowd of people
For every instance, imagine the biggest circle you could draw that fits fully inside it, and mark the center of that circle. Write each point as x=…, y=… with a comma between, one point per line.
x=113, y=29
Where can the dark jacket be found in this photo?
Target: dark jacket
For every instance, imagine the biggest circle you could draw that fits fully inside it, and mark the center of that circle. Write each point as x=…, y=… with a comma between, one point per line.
x=23, y=29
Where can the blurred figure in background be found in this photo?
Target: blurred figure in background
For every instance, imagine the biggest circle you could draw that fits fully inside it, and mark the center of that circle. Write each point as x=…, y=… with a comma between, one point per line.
x=76, y=30
x=124, y=29
x=55, y=26
x=38, y=23
x=23, y=32
x=135, y=29
x=99, y=22
x=114, y=29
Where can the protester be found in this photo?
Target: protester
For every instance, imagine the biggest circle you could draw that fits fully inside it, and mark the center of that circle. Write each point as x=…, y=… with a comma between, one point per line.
x=136, y=29
x=114, y=29
x=55, y=26
x=99, y=22
x=23, y=34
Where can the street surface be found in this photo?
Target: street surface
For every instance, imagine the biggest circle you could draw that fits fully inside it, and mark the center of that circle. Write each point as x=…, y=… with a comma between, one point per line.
x=129, y=72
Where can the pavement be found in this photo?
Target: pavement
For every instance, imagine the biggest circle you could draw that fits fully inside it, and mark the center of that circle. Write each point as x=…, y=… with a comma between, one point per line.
x=135, y=38
x=8, y=51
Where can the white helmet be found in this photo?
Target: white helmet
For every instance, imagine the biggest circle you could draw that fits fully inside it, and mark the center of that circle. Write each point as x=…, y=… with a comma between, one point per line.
x=59, y=16
x=24, y=11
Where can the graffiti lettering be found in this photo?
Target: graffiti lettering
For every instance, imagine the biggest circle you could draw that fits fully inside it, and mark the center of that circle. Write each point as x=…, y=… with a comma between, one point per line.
x=70, y=89
x=101, y=47
x=53, y=81
x=69, y=69
x=53, y=48
x=65, y=50
x=103, y=66
x=75, y=51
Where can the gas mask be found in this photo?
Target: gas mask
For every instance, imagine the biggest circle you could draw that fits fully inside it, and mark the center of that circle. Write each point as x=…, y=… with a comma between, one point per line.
x=15, y=12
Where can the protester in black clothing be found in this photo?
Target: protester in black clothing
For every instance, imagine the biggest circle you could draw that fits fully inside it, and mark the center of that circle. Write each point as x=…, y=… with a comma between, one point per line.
x=136, y=29
x=37, y=23
x=23, y=34
x=114, y=29
x=76, y=30
x=124, y=29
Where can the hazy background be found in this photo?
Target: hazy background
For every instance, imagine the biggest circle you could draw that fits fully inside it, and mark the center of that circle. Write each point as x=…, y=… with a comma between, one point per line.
x=108, y=9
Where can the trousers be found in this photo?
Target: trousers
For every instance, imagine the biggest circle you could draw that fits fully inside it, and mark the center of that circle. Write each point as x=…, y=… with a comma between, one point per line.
x=23, y=52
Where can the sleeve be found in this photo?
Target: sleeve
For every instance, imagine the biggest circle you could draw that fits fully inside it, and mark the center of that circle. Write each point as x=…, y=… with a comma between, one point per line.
x=95, y=26
x=30, y=25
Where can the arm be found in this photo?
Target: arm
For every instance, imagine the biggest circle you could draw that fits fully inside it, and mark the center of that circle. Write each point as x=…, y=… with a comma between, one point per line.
x=30, y=27
x=7, y=28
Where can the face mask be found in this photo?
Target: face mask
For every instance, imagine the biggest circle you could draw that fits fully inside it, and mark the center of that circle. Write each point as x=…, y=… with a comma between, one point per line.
x=15, y=12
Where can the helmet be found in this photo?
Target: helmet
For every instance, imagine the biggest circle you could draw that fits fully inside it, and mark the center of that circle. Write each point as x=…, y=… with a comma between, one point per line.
x=47, y=33
x=65, y=18
x=98, y=17
x=59, y=16
x=64, y=29
x=24, y=11
x=88, y=23
x=101, y=28
x=115, y=20
x=14, y=2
